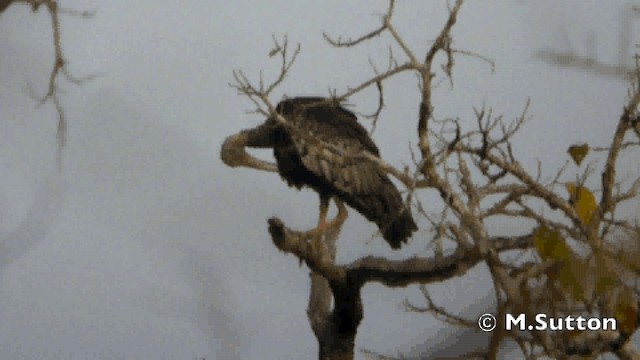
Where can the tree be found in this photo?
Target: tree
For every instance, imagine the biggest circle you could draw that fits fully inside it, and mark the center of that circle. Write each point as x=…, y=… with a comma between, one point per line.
x=578, y=259
x=59, y=64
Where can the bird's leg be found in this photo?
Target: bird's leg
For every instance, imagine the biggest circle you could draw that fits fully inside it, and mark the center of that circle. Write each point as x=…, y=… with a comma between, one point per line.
x=318, y=232
x=342, y=214
x=322, y=218
x=324, y=209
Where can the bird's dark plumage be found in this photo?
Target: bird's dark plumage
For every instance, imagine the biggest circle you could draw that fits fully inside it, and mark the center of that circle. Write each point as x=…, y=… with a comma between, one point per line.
x=319, y=147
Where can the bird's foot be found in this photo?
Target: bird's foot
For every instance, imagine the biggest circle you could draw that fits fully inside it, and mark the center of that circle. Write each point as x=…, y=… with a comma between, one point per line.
x=316, y=241
x=316, y=236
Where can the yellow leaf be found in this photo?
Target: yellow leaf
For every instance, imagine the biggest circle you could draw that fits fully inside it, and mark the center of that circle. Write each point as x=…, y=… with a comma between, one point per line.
x=578, y=152
x=550, y=244
x=630, y=258
x=606, y=272
x=626, y=311
x=571, y=278
x=583, y=201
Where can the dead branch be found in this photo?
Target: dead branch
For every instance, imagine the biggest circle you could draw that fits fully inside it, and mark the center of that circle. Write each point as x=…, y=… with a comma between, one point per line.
x=569, y=59
x=233, y=153
x=439, y=311
x=377, y=32
x=392, y=273
x=450, y=163
x=59, y=64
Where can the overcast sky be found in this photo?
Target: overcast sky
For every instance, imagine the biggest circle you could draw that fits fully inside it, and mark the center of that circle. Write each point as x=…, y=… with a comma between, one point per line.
x=146, y=246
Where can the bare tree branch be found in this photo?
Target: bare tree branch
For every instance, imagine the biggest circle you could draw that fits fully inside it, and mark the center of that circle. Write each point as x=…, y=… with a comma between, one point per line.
x=478, y=178
x=59, y=65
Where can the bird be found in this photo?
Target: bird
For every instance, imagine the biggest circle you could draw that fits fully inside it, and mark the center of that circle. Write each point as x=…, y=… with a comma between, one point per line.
x=322, y=146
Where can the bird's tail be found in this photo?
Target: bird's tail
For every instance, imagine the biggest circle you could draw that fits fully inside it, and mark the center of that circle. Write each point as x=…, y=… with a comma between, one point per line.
x=399, y=229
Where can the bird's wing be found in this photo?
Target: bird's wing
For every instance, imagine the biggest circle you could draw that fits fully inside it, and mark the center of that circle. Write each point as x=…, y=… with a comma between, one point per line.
x=331, y=143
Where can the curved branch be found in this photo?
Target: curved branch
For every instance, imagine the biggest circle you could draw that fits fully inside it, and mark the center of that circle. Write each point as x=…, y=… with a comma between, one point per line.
x=392, y=273
x=349, y=43
x=300, y=244
x=234, y=154
x=59, y=64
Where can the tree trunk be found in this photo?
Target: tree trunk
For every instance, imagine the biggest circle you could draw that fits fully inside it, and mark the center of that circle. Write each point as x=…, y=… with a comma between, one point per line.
x=336, y=329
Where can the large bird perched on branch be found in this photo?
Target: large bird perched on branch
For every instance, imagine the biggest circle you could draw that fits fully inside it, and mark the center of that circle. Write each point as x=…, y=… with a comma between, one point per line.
x=321, y=145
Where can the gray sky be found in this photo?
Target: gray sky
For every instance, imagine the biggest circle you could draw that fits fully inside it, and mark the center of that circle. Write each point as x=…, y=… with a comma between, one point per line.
x=147, y=247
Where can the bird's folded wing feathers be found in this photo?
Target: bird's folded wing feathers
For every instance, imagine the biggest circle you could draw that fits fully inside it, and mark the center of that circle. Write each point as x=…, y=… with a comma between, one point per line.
x=340, y=163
